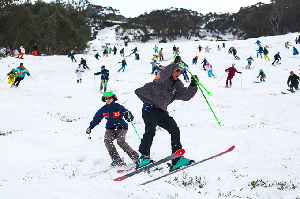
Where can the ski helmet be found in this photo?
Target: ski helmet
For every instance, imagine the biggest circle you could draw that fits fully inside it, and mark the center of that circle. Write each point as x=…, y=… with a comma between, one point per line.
x=177, y=59
x=260, y=70
x=102, y=67
x=233, y=64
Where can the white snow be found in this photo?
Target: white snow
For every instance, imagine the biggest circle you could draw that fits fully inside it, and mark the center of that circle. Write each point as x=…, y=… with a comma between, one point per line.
x=45, y=152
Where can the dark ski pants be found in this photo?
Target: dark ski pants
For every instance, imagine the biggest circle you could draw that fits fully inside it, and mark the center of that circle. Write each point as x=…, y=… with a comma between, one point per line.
x=119, y=135
x=17, y=81
x=229, y=78
x=156, y=117
x=294, y=85
x=275, y=61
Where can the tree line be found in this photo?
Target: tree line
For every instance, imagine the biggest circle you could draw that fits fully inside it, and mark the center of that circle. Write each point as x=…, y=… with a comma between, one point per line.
x=276, y=18
x=55, y=27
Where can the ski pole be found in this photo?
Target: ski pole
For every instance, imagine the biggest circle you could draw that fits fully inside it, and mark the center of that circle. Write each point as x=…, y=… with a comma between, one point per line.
x=32, y=79
x=147, y=77
x=88, y=76
x=204, y=96
x=241, y=80
x=221, y=78
x=134, y=127
x=208, y=93
x=3, y=78
x=73, y=75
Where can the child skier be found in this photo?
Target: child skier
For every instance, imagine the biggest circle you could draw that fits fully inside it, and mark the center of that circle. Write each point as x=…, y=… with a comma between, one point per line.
x=21, y=52
x=116, y=128
x=123, y=65
x=209, y=70
x=295, y=51
x=194, y=61
x=104, y=78
x=250, y=59
x=174, y=49
x=231, y=72
x=207, y=49
x=276, y=58
x=261, y=75
x=21, y=72
x=204, y=63
x=79, y=72
x=11, y=77
x=35, y=48
x=8, y=51
x=115, y=50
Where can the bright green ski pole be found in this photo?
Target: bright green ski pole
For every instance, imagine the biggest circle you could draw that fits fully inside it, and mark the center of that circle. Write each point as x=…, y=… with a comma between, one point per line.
x=134, y=127
x=208, y=93
x=203, y=93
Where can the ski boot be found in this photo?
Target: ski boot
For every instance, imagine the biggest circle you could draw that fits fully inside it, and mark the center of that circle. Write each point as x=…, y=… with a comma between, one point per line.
x=179, y=162
x=144, y=160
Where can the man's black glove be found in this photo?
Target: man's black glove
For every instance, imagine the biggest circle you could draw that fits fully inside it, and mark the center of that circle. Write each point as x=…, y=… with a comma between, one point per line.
x=28, y=74
x=128, y=116
x=193, y=80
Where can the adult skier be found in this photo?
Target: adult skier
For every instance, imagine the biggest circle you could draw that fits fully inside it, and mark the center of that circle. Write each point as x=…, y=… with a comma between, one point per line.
x=194, y=61
x=97, y=56
x=35, y=48
x=116, y=128
x=104, y=78
x=123, y=65
x=174, y=49
x=294, y=79
x=21, y=52
x=276, y=58
x=295, y=51
x=262, y=76
x=250, y=59
x=160, y=54
x=72, y=55
x=155, y=49
x=79, y=72
x=260, y=51
x=133, y=51
x=115, y=50
x=287, y=45
x=199, y=48
x=105, y=52
x=154, y=65
x=83, y=62
x=231, y=72
x=266, y=54
x=156, y=96
x=8, y=51
x=207, y=49
x=258, y=42
x=122, y=52
x=21, y=71
x=204, y=63
x=234, y=52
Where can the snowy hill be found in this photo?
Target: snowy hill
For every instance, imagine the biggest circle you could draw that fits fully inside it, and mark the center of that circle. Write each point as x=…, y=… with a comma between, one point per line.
x=45, y=152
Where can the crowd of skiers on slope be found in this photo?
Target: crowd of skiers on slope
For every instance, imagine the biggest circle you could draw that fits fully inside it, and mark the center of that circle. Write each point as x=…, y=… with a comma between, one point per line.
x=156, y=96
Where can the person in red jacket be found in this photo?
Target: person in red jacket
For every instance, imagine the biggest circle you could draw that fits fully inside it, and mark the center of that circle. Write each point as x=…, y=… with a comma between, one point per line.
x=231, y=72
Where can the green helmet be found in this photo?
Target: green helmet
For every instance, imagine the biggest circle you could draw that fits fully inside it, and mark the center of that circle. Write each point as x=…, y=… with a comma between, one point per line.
x=108, y=94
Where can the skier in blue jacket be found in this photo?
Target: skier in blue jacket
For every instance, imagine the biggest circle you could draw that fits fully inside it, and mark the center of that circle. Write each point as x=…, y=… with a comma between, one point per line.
x=123, y=65
x=116, y=128
x=21, y=72
x=295, y=51
x=104, y=78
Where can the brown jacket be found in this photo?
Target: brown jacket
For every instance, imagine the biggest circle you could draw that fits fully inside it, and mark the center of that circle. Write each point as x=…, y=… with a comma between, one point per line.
x=164, y=90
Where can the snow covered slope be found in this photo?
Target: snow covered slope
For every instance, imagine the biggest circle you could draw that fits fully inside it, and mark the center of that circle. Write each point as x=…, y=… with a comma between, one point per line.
x=45, y=153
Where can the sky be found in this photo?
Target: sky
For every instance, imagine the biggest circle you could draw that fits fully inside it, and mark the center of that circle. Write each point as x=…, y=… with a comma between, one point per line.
x=133, y=8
